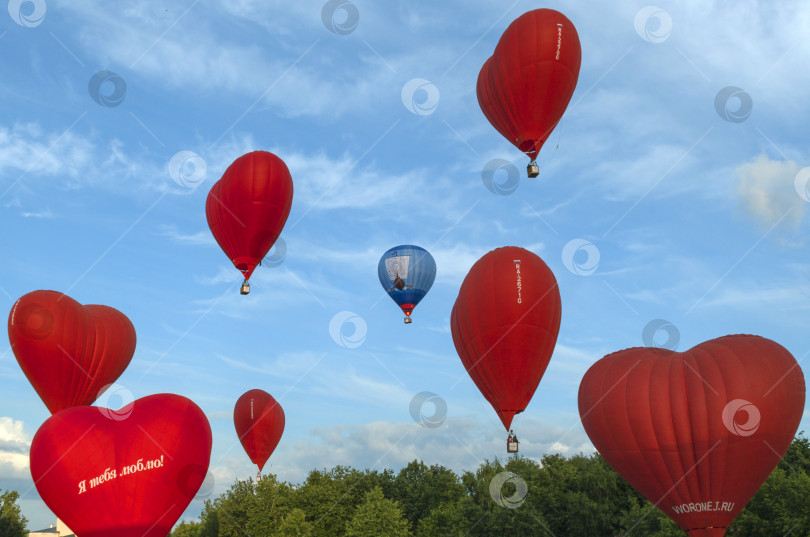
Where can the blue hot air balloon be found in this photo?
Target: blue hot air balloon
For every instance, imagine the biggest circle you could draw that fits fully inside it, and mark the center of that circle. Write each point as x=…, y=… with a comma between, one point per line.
x=406, y=273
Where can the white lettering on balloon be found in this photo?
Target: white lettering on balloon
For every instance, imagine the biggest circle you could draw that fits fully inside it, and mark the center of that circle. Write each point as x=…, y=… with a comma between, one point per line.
x=519, y=282
x=702, y=507
x=559, y=41
x=109, y=475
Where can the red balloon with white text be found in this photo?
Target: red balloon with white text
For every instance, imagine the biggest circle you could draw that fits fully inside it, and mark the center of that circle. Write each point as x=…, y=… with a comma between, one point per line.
x=504, y=324
x=129, y=472
x=526, y=85
x=259, y=422
x=695, y=432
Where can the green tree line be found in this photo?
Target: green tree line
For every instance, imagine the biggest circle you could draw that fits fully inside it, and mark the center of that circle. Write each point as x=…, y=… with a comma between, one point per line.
x=576, y=496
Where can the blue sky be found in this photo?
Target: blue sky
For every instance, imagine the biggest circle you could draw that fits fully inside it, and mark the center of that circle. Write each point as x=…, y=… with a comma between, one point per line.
x=686, y=202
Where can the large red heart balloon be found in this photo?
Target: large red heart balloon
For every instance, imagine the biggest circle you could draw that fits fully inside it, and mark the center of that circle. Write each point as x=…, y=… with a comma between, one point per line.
x=69, y=352
x=129, y=472
x=504, y=324
x=695, y=432
x=525, y=86
x=259, y=422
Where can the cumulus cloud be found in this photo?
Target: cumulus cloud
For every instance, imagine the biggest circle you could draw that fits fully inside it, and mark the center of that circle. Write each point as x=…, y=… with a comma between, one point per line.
x=461, y=444
x=767, y=192
x=14, y=446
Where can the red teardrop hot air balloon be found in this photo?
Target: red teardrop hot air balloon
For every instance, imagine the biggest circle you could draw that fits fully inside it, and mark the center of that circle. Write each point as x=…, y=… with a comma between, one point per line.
x=504, y=324
x=69, y=352
x=247, y=209
x=129, y=472
x=695, y=432
x=526, y=85
x=259, y=422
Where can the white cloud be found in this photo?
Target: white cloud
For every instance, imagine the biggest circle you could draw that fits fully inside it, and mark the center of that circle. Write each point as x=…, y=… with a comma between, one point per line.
x=14, y=447
x=289, y=288
x=199, y=238
x=31, y=154
x=459, y=444
x=38, y=214
x=323, y=183
x=754, y=296
x=767, y=192
x=350, y=386
x=453, y=264
x=288, y=365
x=572, y=362
x=26, y=149
x=197, y=54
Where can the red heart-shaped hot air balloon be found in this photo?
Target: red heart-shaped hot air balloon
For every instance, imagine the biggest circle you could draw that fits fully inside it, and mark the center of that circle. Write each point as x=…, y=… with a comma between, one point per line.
x=129, y=472
x=525, y=86
x=505, y=323
x=69, y=352
x=248, y=206
x=695, y=432
x=259, y=422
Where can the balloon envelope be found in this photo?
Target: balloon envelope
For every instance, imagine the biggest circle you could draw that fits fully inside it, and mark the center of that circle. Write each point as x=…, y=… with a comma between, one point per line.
x=69, y=352
x=406, y=273
x=129, y=472
x=248, y=207
x=259, y=422
x=695, y=432
x=526, y=85
x=504, y=324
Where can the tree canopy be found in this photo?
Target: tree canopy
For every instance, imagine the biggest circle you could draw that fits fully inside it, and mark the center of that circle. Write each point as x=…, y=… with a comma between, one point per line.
x=12, y=522
x=580, y=495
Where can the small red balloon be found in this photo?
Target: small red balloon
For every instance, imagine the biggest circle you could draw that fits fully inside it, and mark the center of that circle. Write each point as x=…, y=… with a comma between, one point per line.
x=248, y=207
x=129, y=472
x=526, y=85
x=695, y=432
x=504, y=324
x=69, y=352
x=259, y=422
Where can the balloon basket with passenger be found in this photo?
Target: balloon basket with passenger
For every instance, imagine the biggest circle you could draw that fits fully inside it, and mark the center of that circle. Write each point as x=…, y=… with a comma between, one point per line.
x=533, y=170
x=511, y=443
